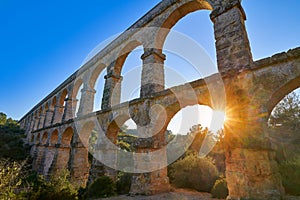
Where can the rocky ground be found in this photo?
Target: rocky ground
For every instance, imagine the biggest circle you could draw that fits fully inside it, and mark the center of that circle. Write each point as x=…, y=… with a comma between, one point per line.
x=179, y=194
x=176, y=194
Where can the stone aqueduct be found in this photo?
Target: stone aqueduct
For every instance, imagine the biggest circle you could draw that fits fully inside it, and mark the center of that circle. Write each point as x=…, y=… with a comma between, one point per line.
x=252, y=89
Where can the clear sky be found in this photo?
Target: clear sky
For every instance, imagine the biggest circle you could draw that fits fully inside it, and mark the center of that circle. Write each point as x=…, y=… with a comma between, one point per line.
x=43, y=42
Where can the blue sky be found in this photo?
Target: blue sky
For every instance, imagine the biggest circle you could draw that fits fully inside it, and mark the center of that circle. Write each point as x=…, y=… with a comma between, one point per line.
x=43, y=42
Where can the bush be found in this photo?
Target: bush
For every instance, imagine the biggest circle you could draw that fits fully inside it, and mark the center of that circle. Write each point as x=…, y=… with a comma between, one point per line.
x=194, y=172
x=101, y=187
x=123, y=183
x=290, y=173
x=57, y=188
x=220, y=189
x=11, y=175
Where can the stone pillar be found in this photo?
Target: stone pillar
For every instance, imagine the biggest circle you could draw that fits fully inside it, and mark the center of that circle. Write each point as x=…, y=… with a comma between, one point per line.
x=153, y=182
x=48, y=159
x=97, y=170
x=87, y=100
x=61, y=157
x=36, y=123
x=112, y=89
x=251, y=171
x=232, y=44
x=49, y=116
x=58, y=113
x=69, y=112
x=105, y=154
x=79, y=165
x=153, y=79
x=38, y=160
x=152, y=129
x=22, y=124
x=29, y=126
x=41, y=121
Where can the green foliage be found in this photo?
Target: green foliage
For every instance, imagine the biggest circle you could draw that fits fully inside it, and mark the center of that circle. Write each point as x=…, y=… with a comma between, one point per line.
x=123, y=183
x=12, y=174
x=124, y=145
x=2, y=118
x=290, y=173
x=57, y=188
x=11, y=141
x=220, y=189
x=194, y=172
x=101, y=187
x=287, y=112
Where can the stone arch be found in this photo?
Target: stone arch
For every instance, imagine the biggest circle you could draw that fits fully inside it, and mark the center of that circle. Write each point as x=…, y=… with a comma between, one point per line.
x=39, y=117
x=53, y=102
x=179, y=13
x=281, y=92
x=40, y=111
x=62, y=151
x=124, y=54
x=63, y=96
x=44, y=138
x=173, y=109
x=46, y=107
x=76, y=94
x=37, y=138
x=95, y=74
x=96, y=82
x=79, y=162
x=54, y=138
x=115, y=126
x=32, y=138
x=112, y=88
x=85, y=132
x=67, y=136
x=76, y=88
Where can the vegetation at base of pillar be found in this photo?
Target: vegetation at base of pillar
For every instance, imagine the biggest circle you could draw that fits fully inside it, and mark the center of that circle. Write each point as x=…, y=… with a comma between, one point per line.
x=123, y=182
x=58, y=187
x=220, y=189
x=284, y=127
x=103, y=186
x=290, y=174
x=194, y=172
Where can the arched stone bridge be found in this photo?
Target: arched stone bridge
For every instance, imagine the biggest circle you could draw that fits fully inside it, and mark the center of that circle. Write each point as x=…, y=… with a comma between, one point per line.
x=251, y=90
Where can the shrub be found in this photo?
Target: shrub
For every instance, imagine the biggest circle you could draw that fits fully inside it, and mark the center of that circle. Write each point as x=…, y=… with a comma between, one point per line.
x=123, y=183
x=220, y=189
x=11, y=175
x=194, y=172
x=101, y=187
x=290, y=173
x=57, y=188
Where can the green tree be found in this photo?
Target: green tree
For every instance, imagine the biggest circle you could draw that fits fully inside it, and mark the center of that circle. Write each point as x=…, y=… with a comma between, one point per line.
x=12, y=140
x=2, y=118
x=287, y=113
